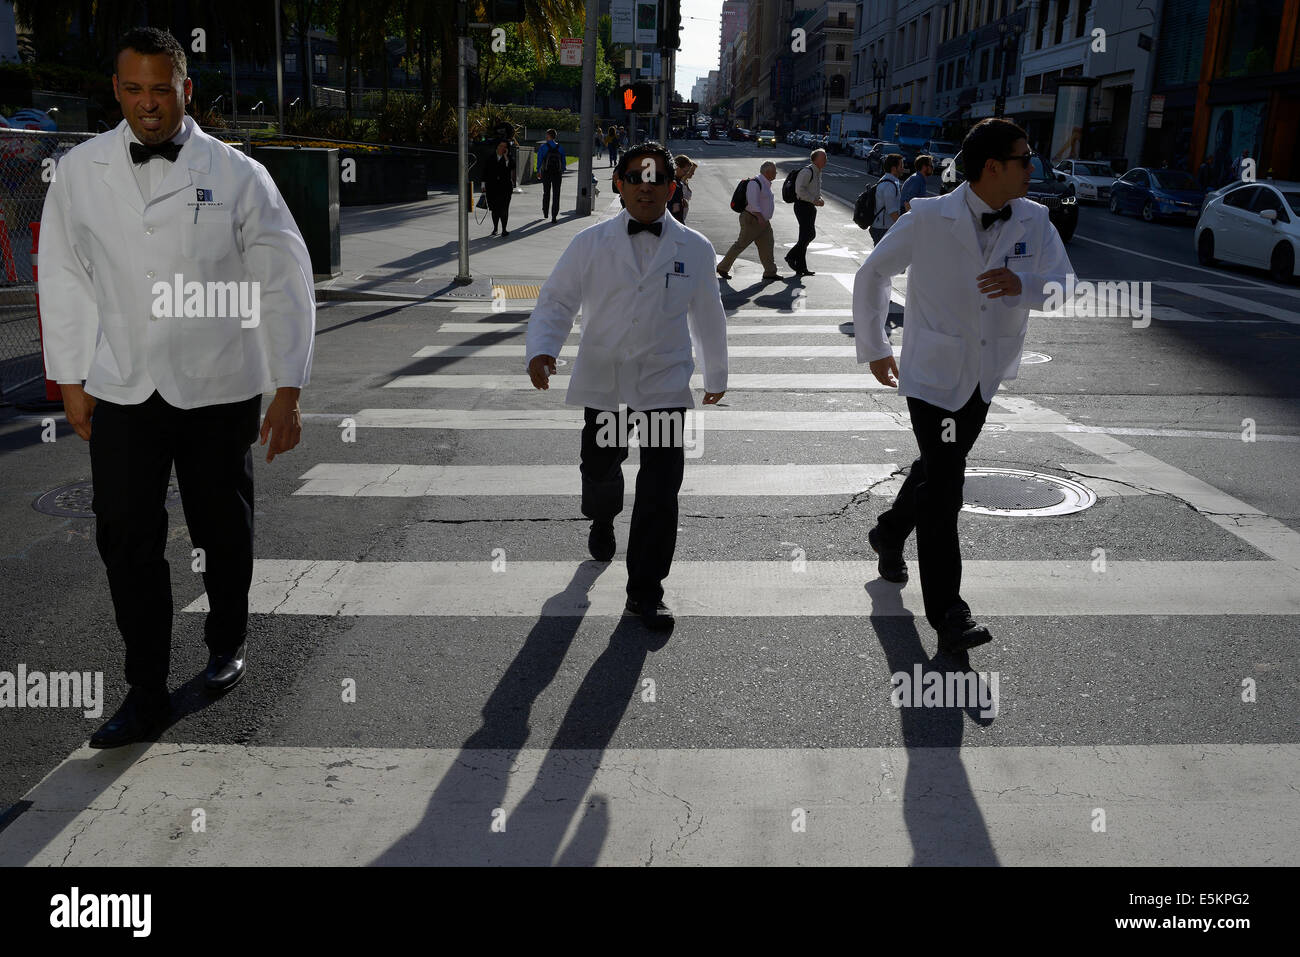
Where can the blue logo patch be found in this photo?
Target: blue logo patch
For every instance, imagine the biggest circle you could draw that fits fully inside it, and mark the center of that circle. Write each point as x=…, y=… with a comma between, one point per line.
x=679, y=267
x=205, y=195
x=1020, y=249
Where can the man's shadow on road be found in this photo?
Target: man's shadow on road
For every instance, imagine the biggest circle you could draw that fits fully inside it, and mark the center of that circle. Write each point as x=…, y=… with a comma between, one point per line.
x=943, y=819
x=457, y=828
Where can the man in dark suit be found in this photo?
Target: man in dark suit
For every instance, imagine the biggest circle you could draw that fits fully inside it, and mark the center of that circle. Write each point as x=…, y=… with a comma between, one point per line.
x=499, y=184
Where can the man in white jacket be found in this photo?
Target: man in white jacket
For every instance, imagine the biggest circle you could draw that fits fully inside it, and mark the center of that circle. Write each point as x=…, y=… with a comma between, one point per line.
x=980, y=259
x=644, y=283
x=175, y=290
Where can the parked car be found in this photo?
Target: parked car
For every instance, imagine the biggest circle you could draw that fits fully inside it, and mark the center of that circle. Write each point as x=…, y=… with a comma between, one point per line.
x=704, y=134
x=1252, y=224
x=876, y=157
x=1157, y=193
x=850, y=144
x=765, y=138
x=1091, y=179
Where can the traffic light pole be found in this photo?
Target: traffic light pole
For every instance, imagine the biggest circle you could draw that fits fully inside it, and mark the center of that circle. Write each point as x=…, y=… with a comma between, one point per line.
x=462, y=148
x=587, y=123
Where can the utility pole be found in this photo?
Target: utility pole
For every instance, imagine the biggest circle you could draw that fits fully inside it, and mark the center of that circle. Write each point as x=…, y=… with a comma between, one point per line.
x=279, y=73
x=587, y=122
x=463, y=49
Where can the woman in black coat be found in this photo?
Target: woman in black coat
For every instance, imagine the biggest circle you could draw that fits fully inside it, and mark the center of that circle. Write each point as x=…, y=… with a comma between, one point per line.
x=499, y=184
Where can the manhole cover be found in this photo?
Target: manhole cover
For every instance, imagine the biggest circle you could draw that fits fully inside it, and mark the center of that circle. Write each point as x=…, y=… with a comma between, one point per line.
x=1032, y=357
x=74, y=501
x=1020, y=493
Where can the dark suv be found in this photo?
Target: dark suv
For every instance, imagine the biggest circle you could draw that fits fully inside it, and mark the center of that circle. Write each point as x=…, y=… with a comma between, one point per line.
x=1045, y=186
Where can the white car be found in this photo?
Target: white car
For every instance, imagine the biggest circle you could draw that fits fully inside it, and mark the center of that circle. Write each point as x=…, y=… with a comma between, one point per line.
x=863, y=147
x=1091, y=179
x=1255, y=224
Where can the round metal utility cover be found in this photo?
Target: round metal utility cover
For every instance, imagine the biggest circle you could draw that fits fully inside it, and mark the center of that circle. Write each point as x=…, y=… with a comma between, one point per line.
x=1016, y=492
x=74, y=501
x=1031, y=357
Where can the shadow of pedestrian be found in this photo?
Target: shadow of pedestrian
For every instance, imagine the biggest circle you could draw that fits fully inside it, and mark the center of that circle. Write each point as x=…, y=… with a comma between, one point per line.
x=943, y=819
x=458, y=824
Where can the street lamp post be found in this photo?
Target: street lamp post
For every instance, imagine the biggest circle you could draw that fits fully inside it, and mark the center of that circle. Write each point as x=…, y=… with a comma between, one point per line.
x=878, y=71
x=1006, y=32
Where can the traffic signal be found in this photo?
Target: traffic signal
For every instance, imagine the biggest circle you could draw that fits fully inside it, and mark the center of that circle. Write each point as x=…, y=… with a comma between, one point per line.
x=670, y=25
x=638, y=97
x=506, y=11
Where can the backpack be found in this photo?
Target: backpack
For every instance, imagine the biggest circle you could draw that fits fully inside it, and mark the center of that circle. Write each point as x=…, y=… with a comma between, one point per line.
x=738, y=198
x=787, y=188
x=864, y=210
x=553, y=165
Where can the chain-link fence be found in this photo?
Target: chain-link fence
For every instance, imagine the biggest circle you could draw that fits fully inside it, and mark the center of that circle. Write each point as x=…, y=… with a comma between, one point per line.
x=24, y=177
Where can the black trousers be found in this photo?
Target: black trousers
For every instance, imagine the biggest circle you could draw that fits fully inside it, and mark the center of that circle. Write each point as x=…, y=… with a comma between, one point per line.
x=499, y=204
x=931, y=499
x=551, y=194
x=806, y=214
x=653, y=537
x=132, y=450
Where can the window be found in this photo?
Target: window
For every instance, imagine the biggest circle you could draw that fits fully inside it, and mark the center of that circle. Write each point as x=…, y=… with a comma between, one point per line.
x=843, y=19
x=318, y=64
x=291, y=63
x=1242, y=197
x=839, y=52
x=923, y=38
x=1269, y=199
x=984, y=66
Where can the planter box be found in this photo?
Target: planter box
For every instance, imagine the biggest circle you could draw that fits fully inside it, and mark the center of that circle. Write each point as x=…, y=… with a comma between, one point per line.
x=308, y=179
x=385, y=178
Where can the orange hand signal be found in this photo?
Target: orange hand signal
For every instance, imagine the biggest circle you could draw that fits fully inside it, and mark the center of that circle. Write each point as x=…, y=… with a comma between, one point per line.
x=628, y=99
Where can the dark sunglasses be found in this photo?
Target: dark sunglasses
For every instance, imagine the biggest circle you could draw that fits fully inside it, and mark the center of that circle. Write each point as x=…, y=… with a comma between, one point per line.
x=635, y=177
x=1025, y=158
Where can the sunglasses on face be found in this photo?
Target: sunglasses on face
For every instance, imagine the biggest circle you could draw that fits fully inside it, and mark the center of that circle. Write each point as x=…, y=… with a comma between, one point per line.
x=636, y=177
x=1025, y=159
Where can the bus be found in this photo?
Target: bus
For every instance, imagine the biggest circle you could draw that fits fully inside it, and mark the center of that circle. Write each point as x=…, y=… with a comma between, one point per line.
x=910, y=132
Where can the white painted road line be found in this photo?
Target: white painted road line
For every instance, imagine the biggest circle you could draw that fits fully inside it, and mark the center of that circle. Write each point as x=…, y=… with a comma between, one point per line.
x=733, y=329
x=1167, y=805
x=519, y=381
x=766, y=589
x=399, y=481
x=1218, y=274
x=1247, y=307
x=512, y=351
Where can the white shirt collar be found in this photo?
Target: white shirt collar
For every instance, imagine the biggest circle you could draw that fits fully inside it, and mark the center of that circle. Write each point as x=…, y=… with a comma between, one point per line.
x=977, y=205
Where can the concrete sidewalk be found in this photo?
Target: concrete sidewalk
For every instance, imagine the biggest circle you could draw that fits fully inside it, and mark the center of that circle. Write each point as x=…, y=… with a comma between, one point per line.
x=409, y=250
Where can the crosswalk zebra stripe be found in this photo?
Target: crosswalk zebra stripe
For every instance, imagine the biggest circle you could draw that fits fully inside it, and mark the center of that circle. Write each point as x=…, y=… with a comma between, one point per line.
x=397, y=481
x=733, y=329
x=719, y=589
x=519, y=381
x=1176, y=804
x=512, y=351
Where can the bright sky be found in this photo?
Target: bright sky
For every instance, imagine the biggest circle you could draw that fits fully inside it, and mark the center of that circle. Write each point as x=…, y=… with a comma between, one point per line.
x=701, y=23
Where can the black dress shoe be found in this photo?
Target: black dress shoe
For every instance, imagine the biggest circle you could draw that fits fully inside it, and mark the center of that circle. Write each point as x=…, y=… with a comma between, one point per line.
x=504, y=234
x=600, y=541
x=891, y=566
x=656, y=616
x=960, y=631
x=724, y=275
x=225, y=671
x=806, y=272
x=143, y=712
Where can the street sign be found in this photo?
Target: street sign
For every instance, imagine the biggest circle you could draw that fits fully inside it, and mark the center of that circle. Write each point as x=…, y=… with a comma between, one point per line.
x=1158, y=103
x=1154, y=120
x=571, y=52
x=647, y=22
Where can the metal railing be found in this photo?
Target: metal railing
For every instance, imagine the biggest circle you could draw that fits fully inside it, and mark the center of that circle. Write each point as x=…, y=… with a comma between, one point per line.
x=27, y=159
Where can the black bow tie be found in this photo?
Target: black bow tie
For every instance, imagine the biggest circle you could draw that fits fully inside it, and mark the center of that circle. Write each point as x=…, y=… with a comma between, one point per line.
x=141, y=153
x=988, y=219
x=634, y=227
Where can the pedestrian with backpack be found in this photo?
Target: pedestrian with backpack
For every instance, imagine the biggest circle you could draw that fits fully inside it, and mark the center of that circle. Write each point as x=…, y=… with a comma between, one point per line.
x=889, y=197
x=807, y=197
x=550, y=163
x=754, y=201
